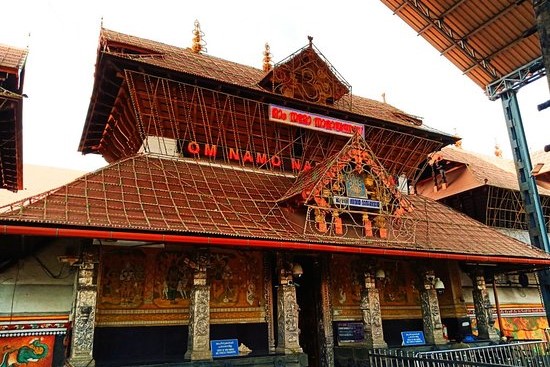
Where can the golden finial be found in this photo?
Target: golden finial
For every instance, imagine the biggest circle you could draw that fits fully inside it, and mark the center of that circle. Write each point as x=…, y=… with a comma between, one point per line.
x=498, y=151
x=458, y=143
x=198, y=41
x=267, y=58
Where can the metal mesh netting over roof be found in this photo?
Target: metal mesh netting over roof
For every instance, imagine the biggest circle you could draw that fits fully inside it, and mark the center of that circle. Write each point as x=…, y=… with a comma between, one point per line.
x=147, y=193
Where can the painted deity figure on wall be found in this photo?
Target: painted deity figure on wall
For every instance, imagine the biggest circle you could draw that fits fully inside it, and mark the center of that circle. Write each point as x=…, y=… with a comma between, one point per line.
x=347, y=278
x=235, y=278
x=223, y=288
x=128, y=283
x=122, y=279
x=173, y=276
x=395, y=287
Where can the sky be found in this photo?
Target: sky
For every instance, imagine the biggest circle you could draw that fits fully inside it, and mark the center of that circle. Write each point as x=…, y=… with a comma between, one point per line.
x=374, y=50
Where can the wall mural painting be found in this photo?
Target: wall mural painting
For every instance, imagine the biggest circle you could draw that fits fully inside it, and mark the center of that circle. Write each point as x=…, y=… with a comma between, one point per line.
x=399, y=286
x=520, y=328
x=173, y=279
x=122, y=279
x=347, y=281
x=28, y=351
x=134, y=284
x=236, y=279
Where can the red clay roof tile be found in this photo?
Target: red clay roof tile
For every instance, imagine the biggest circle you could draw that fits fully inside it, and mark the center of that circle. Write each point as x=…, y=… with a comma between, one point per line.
x=12, y=59
x=155, y=194
x=186, y=61
x=488, y=170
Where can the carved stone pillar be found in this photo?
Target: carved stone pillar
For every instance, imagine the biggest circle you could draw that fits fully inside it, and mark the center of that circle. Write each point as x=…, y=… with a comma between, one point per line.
x=482, y=307
x=198, y=342
x=431, y=316
x=268, y=306
x=327, y=352
x=82, y=338
x=372, y=316
x=288, y=340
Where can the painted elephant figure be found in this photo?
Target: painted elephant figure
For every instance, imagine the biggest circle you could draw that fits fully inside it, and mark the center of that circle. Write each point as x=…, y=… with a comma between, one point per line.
x=26, y=354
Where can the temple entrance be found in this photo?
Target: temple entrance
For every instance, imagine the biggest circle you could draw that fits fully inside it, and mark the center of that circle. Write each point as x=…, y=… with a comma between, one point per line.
x=308, y=294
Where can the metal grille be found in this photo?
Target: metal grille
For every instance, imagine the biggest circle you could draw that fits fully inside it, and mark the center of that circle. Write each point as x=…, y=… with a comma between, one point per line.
x=533, y=354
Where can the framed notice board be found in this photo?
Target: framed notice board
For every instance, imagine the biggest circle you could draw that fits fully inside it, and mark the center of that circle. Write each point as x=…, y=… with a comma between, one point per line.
x=350, y=332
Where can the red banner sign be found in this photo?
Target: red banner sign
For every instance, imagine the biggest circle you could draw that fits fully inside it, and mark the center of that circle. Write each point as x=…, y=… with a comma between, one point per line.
x=314, y=122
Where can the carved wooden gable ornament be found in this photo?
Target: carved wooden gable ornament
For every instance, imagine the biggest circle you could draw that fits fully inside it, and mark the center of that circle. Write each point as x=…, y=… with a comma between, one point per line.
x=350, y=195
x=308, y=76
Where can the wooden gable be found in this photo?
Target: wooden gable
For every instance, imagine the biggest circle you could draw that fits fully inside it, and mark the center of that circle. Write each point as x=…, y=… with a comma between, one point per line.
x=308, y=76
x=351, y=195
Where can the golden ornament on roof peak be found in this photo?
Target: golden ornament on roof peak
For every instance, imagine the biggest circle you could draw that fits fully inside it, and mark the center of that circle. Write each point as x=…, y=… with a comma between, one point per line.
x=267, y=58
x=198, y=41
x=498, y=151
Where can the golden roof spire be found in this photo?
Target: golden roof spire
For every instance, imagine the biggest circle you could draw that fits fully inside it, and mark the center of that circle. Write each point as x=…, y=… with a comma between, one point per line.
x=198, y=42
x=267, y=58
x=458, y=143
x=498, y=151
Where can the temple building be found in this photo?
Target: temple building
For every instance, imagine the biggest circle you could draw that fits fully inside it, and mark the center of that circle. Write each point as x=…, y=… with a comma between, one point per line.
x=260, y=214
x=486, y=189
x=12, y=75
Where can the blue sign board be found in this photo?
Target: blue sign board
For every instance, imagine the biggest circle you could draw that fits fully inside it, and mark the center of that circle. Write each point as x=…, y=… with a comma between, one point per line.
x=412, y=338
x=345, y=202
x=224, y=348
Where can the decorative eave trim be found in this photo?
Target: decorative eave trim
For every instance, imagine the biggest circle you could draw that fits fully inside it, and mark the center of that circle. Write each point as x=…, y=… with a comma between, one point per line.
x=263, y=244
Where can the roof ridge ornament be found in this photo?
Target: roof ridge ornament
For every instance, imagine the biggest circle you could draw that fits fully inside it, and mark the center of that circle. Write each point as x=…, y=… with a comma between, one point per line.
x=199, y=45
x=310, y=39
x=498, y=151
x=268, y=65
x=458, y=143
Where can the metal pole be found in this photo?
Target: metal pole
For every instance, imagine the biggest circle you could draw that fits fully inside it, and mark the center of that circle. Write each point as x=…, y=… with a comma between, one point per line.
x=522, y=160
x=527, y=186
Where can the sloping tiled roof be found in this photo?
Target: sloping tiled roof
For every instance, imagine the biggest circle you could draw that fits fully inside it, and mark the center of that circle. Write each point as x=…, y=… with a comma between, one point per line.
x=443, y=227
x=147, y=193
x=184, y=60
x=541, y=157
x=12, y=59
x=491, y=171
x=39, y=179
